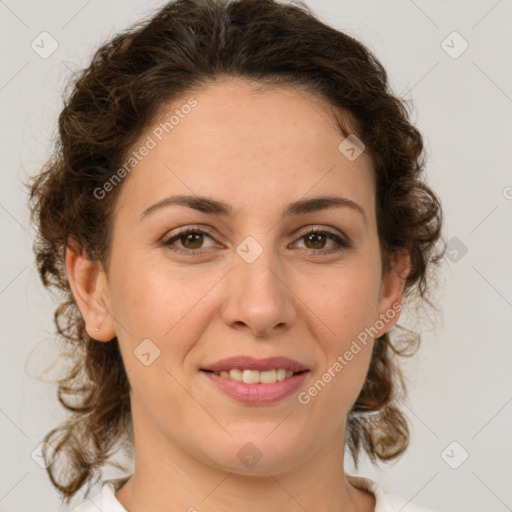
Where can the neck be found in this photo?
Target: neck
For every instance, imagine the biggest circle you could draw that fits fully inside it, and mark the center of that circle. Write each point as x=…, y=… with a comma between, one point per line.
x=170, y=478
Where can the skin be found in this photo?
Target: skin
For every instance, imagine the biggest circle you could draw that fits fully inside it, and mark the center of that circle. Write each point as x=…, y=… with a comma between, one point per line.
x=257, y=151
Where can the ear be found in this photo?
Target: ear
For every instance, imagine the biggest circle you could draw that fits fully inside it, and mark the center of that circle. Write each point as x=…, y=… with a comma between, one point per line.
x=392, y=291
x=90, y=289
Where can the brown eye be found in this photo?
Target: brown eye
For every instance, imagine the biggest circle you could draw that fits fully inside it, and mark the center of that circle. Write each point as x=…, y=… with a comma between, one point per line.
x=192, y=240
x=189, y=241
x=315, y=240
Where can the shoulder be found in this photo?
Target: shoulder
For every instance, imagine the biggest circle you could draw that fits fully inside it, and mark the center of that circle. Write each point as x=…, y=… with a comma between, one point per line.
x=105, y=500
x=385, y=501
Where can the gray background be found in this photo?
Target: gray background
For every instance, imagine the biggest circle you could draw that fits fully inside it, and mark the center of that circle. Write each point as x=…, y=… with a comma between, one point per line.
x=459, y=382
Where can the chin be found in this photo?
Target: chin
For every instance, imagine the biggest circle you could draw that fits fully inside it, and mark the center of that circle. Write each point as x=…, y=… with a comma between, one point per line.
x=252, y=451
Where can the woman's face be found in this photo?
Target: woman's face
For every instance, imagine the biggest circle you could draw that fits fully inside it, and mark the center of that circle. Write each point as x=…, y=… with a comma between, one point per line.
x=250, y=282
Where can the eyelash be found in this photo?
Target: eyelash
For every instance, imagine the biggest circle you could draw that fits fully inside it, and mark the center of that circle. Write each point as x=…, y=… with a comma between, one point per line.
x=342, y=244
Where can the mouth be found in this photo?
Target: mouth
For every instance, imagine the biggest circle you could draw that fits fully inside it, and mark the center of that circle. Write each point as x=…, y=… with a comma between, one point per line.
x=257, y=381
x=250, y=363
x=248, y=376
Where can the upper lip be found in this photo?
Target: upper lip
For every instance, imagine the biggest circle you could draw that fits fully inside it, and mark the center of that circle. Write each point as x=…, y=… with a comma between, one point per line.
x=250, y=363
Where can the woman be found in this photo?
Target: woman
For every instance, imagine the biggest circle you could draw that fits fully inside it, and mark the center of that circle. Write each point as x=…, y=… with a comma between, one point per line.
x=235, y=212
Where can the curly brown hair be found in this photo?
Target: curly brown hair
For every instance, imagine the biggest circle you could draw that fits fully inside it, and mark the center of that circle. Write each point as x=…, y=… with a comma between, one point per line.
x=186, y=45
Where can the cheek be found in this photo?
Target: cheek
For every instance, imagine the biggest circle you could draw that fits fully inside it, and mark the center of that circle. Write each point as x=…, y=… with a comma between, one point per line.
x=346, y=350
x=165, y=309
x=171, y=308
x=350, y=313
x=345, y=300
x=345, y=305
x=149, y=300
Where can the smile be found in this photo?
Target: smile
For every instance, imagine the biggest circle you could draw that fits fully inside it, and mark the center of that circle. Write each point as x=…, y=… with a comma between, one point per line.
x=255, y=376
x=256, y=392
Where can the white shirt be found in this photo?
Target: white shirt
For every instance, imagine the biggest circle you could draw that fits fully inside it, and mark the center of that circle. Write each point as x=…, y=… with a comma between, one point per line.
x=106, y=500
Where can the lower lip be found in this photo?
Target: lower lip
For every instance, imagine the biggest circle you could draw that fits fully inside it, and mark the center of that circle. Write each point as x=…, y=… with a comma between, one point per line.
x=257, y=394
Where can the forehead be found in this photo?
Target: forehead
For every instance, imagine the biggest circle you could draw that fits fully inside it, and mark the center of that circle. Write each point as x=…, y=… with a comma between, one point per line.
x=247, y=143
x=235, y=113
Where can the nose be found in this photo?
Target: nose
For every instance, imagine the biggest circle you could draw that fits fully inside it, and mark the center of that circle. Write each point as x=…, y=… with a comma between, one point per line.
x=257, y=297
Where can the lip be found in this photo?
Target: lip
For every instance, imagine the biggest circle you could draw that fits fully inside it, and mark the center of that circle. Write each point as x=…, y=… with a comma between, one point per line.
x=251, y=363
x=257, y=394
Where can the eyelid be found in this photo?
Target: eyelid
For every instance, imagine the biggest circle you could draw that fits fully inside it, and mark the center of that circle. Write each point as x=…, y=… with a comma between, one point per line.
x=185, y=230
x=205, y=229
x=343, y=242
x=320, y=229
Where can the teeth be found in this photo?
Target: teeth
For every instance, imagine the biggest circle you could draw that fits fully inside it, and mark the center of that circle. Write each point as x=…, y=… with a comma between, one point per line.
x=255, y=376
x=235, y=375
x=251, y=376
x=281, y=374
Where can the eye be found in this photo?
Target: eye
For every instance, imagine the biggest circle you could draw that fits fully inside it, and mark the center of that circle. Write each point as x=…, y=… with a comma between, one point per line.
x=315, y=240
x=189, y=241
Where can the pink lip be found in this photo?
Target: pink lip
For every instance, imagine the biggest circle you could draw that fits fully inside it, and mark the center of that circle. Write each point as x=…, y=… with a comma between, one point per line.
x=257, y=394
x=250, y=363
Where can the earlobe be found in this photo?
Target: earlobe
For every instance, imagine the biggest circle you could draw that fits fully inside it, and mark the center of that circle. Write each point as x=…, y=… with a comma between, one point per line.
x=90, y=289
x=392, y=289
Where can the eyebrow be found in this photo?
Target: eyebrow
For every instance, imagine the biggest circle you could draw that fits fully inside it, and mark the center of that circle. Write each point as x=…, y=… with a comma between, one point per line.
x=216, y=207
